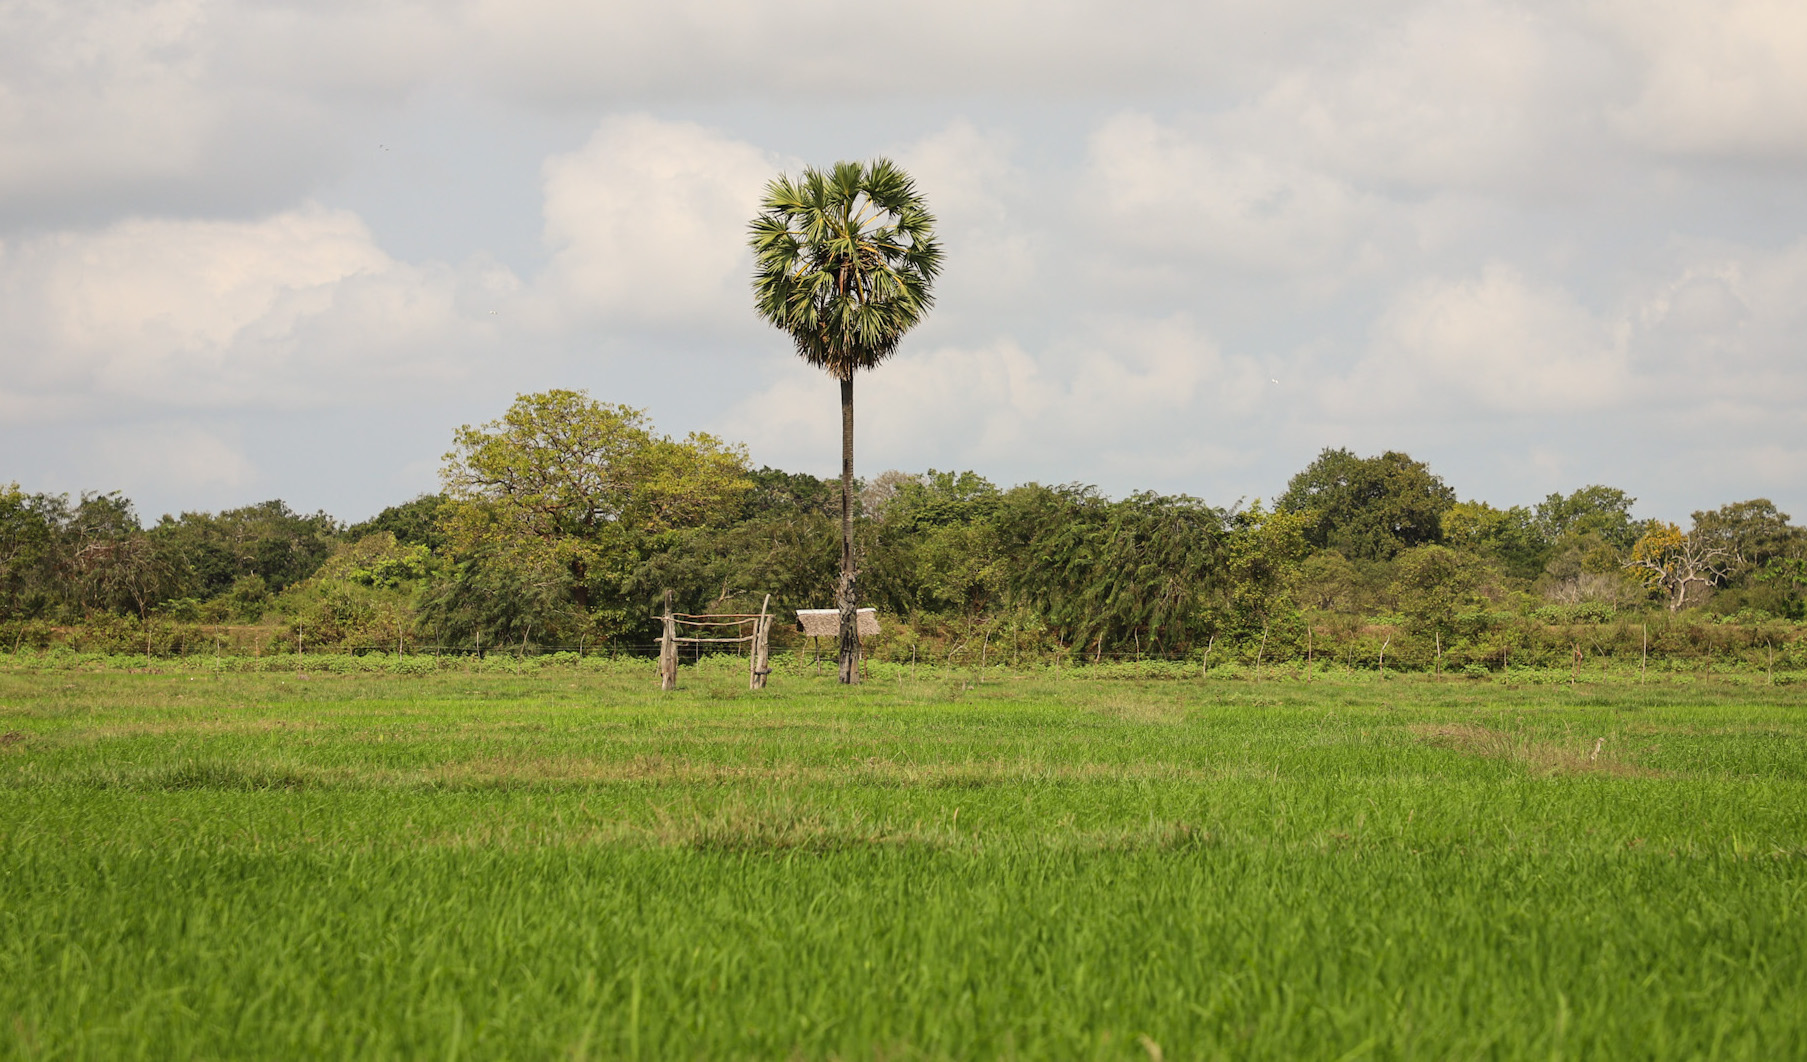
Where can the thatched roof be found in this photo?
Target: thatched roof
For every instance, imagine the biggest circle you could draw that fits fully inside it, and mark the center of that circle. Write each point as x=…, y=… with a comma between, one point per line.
x=826, y=622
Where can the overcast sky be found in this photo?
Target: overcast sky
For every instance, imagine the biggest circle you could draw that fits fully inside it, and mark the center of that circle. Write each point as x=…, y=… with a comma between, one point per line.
x=254, y=250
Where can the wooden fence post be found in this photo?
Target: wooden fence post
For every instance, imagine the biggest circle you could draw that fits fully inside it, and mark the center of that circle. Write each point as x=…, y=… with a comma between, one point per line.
x=761, y=652
x=668, y=650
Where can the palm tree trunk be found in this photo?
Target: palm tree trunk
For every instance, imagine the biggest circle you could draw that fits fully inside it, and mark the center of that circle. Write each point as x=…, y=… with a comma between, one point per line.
x=849, y=602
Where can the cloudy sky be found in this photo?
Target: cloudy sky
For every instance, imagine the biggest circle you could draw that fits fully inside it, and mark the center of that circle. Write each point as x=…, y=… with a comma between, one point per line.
x=271, y=249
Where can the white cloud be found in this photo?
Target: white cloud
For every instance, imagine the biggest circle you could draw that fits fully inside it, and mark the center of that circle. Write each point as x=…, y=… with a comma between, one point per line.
x=1723, y=332
x=158, y=101
x=1712, y=345
x=559, y=50
x=170, y=456
x=1491, y=342
x=648, y=222
x=296, y=308
x=1154, y=188
x=187, y=106
x=1724, y=79
x=1447, y=96
x=149, y=98
x=102, y=88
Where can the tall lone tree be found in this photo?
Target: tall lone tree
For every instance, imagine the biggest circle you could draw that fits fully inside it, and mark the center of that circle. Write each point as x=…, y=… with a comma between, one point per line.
x=843, y=260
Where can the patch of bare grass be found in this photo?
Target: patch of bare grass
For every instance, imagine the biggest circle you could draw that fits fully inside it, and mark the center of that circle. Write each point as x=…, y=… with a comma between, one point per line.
x=748, y=824
x=218, y=725
x=1599, y=755
x=1141, y=709
x=674, y=771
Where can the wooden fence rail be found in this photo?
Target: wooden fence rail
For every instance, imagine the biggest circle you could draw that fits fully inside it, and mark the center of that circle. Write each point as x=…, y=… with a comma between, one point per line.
x=759, y=656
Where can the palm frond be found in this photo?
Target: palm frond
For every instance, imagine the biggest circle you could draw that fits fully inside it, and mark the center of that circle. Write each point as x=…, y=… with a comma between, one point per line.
x=844, y=261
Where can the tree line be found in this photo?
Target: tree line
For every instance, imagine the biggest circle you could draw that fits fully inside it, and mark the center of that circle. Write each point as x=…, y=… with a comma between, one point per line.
x=563, y=523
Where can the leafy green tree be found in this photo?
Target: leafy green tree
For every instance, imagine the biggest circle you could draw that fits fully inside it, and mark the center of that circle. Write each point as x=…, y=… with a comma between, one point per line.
x=112, y=565
x=874, y=497
x=1327, y=582
x=248, y=599
x=1585, y=566
x=775, y=491
x=936, y=548
x=1368, y=508
x=556, y=504
x=843, y=262
x=1755, y=531
x=1439, y=590
x=1262, y=554
x=793, y=556
x=492, y=602
x=30, y=551
x=413, y=523
x=1768, y=552
x=1509, y=538
x=1680, y=566
x=1605, y=511
x=942, y=499
x=268, y=540
x=1137, y=571
x=1782, y=586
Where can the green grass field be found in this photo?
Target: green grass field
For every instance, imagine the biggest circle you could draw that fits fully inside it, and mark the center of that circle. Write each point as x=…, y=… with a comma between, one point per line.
x=567, y=863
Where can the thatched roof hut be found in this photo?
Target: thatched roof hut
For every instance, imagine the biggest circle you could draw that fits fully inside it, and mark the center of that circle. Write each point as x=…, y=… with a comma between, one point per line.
x=826, y=622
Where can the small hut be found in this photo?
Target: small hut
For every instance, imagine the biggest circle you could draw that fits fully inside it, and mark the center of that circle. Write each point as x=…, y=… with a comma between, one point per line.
x=819, y=623
x=826, y=622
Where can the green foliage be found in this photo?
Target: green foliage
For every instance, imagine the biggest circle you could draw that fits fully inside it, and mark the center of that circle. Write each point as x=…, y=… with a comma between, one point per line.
x=793, y=556
x=1368, y=508
x=1597, y=510
x=1440, y=591
x=113, y=565
x=1577, y=612
x=269, y=540
x=365, y=594
x=248, y=598
x=378, y=560
x=1136, y=571
x=413, y=523
x=551, y=509
x=1780, y=587
x=1755, y=532
x=774, y=492
x=1510, y=538
x=936, y=546
x=566, y=521
x=942, y=499
x=1328, y=582
x=1261, y=559
x=30, y=532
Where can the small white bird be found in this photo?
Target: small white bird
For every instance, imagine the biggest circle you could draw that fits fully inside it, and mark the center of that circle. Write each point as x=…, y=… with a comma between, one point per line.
x=1270, y=379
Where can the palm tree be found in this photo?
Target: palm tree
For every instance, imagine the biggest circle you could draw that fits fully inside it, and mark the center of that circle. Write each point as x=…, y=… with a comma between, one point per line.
x=843, y=260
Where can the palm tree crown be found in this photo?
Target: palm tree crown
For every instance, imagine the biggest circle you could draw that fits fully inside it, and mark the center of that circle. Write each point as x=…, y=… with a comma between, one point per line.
x=843, y=261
